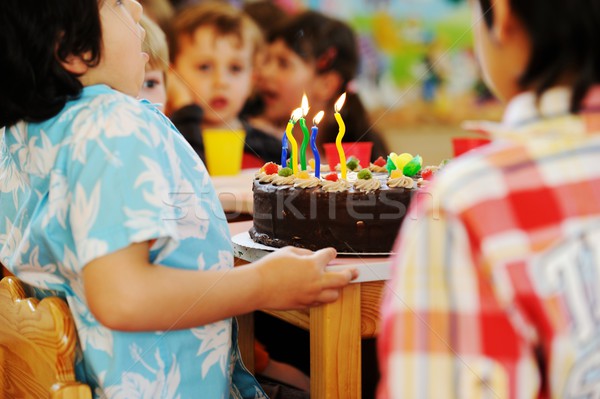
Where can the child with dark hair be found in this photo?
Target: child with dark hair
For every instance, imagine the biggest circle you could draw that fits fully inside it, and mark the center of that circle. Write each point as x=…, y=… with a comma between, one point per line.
x=316, y=54
x=497, y=279
x=103, y=200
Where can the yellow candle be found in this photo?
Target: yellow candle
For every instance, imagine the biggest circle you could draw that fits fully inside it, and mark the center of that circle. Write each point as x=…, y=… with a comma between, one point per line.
x=296, y=115
x=342, y=130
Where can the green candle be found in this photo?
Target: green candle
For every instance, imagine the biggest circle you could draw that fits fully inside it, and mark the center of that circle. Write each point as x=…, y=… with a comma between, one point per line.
x=306, y=134
x=305, y=141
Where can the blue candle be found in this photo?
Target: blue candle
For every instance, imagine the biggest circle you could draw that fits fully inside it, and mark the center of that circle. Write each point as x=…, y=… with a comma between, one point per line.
x=313, y=143
x=284, y=150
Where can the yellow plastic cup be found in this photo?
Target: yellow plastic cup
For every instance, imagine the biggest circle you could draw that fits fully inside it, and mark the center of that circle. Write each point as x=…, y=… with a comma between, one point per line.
x=223, y=150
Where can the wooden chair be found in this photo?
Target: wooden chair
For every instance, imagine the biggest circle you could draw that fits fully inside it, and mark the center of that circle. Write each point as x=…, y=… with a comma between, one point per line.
x=37, y=346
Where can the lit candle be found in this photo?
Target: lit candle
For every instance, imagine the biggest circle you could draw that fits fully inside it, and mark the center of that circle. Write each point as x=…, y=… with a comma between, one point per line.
x=342, y=130
x=313, y=142
x=305, y=133
x=284, y=149
x=297, y=114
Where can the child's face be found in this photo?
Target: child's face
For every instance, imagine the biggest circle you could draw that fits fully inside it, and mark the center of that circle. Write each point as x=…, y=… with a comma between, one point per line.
x=122, y=61
x=153, y=88
x=282, y=79
x=218, y=71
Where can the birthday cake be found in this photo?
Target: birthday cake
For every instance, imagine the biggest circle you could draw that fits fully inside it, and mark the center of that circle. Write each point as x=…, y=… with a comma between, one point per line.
x=360, y=214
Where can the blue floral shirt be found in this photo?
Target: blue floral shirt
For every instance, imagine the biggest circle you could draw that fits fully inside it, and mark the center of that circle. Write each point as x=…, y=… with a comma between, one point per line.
x=106, y=172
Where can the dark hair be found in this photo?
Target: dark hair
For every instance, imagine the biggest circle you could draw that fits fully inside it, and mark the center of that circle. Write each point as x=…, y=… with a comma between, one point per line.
x=565, y=38
x=264, y=12
x=34, y=38
x=332, y=46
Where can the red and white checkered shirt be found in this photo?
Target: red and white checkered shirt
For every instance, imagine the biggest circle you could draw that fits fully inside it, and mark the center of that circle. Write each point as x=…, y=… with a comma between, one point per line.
x=496, y=288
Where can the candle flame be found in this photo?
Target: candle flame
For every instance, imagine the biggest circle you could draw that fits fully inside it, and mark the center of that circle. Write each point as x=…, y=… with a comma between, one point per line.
x=305, y=106
x=296, y=115
x=340, y=102
x=318, y=117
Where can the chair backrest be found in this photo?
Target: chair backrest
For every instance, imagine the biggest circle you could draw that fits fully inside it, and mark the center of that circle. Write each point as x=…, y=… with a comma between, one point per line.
x=37, y=346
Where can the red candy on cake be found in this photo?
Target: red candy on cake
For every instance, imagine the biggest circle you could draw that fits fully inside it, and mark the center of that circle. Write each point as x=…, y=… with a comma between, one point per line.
x=332, y=177
x=270, y=168
x=379, y=162
x=427, y=174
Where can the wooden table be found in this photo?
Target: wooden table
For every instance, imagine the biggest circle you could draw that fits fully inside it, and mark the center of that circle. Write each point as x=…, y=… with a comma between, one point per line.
x=335, y=329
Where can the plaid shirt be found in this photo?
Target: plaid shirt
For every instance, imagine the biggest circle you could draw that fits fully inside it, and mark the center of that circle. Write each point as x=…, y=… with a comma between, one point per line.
x=496, y=289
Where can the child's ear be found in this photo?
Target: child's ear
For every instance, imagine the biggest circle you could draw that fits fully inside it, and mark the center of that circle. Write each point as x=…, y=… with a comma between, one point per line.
x=74, y=64
x=504, y=21
x=327, y=85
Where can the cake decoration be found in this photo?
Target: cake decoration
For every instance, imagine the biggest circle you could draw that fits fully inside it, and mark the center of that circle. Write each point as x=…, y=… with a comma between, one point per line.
x=401, y=160
x=270, y=168
x=265, y=178
x=335, y=186
x=365, y=181
x=353, y=163
x=332, y=177
x=285, y=172
x=267, y=173
x=304, y=180
x=399, y=180
x=364, y=174
x=413, y=166
x=283, y=180
x=378, y=166
x=427, y=173
x=285, y=177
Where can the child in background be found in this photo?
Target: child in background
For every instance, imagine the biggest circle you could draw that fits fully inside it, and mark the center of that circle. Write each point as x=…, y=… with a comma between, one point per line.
x=104, y=201
x=496, y=284
x=263, y=12
x=155, y=45
x=159, y=11
x=316, y=54
x=213, y=50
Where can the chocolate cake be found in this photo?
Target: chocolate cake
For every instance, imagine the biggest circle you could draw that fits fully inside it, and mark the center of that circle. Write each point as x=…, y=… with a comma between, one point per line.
x=314, y=216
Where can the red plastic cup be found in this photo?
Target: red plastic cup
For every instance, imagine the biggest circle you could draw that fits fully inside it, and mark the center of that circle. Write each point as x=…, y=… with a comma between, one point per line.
x=359, y=150
x=460, y=145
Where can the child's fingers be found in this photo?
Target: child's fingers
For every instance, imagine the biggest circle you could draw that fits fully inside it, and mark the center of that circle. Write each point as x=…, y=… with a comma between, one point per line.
x=299, y=251
x=339, y=279
x=325, y=255
x=328, y=295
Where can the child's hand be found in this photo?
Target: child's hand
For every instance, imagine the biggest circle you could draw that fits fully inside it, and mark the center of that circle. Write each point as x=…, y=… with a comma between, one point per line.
x=295, y=278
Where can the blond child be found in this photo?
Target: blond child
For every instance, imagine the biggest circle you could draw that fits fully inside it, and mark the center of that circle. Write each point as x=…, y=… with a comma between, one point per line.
x=104, y=201
x=159, y=11
x=155, y=45
x=497, y=278
x=214, y=47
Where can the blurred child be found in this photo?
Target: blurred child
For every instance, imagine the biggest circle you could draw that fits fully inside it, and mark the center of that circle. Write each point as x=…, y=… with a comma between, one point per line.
x=497, y=278
x=104, y=201
x=213, y=50
x=155, y=45
x=159, y=11
x=318, y=55
x=264, y=13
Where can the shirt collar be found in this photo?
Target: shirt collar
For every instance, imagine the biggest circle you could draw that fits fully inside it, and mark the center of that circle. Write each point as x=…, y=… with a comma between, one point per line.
x=527, y=108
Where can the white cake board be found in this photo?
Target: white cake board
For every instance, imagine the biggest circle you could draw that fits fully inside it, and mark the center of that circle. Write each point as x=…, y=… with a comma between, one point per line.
x=371, y=266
